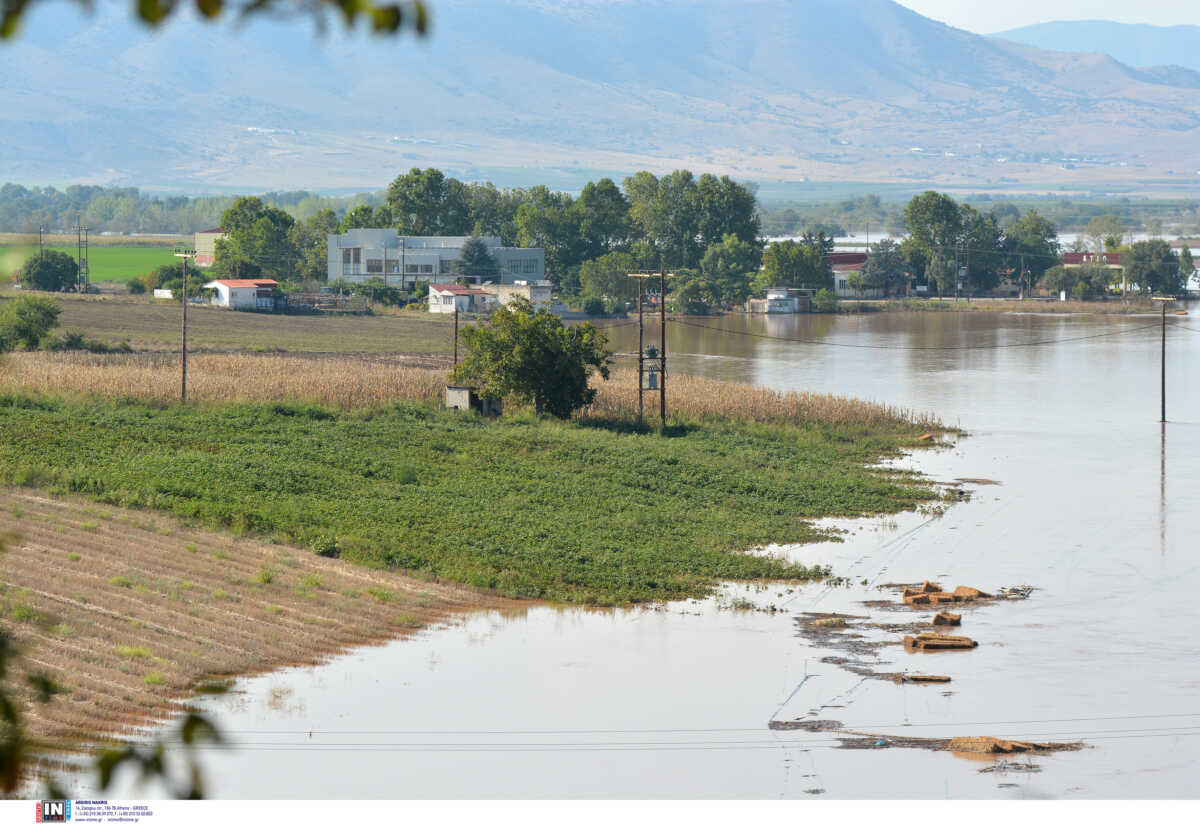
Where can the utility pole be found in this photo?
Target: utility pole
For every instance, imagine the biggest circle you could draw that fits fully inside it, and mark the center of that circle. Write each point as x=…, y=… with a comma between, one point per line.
x=1163, y=358
x=662, y=352
x=184, y=254
x=651, y=353
x=641, y=351
x=456, y=331
x=1023, y=277
x=41, y=247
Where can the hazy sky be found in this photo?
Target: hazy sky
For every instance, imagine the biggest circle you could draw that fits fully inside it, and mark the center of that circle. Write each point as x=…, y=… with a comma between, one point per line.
x=983, y=17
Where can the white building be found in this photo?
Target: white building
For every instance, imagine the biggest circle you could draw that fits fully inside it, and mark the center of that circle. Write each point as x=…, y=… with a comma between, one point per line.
x=243, y=294
x=400, y=260
x=449, y=297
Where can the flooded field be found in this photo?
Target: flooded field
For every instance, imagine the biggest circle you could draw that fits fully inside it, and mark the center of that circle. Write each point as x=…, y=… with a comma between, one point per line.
x=1074, y=490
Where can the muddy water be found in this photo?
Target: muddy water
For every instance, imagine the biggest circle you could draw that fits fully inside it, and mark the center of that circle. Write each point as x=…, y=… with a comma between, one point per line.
x=1093, y=503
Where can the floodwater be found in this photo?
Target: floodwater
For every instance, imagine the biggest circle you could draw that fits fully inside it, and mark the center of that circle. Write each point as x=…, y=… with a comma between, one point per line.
x=1093, y=502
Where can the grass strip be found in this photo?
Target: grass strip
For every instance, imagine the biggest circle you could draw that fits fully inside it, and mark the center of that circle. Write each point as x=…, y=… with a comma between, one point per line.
x=586, y=511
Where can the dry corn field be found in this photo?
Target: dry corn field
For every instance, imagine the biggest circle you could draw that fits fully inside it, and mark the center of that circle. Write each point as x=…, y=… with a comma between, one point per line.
x=349, y=382
x=129, y=611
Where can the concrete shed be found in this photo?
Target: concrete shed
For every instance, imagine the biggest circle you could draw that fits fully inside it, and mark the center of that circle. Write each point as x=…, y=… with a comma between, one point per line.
x=244, y=294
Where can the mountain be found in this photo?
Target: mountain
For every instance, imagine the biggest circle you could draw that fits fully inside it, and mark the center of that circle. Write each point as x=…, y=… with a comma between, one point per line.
x=549, y=90
x=1132, y=44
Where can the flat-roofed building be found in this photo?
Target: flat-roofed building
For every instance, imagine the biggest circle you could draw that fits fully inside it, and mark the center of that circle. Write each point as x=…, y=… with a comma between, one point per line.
x=401, y=260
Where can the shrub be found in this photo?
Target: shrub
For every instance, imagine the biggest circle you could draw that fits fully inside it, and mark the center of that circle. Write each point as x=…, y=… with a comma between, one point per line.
x=825, y=301
x=26, y=320
x=593, y=306
x=137, y=286
x=50, y=271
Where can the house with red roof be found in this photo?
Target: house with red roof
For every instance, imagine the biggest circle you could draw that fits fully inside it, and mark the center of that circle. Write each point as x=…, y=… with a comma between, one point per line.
x=454, y=297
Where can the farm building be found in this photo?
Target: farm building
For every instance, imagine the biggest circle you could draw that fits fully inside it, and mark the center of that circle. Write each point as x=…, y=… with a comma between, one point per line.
x=206, y=246
x=452, y=297
x=537, y=293
x=244, y=294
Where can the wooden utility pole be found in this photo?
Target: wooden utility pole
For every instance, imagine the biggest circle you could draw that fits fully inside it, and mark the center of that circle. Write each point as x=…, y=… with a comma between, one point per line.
x=184, y=254
x=641, y=350
x=456, y=331
x=662, y=352
x=1163, y=359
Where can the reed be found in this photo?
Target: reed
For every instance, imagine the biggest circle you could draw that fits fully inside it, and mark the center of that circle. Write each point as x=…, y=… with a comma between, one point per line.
x=349, y=383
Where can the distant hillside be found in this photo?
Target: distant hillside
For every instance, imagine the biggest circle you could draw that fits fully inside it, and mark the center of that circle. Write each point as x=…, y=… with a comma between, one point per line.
x=1134, y=44
x=774, y=90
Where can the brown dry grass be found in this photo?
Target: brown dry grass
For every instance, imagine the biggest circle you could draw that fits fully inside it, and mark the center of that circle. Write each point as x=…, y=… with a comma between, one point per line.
x=347, y=382
x=129, y=611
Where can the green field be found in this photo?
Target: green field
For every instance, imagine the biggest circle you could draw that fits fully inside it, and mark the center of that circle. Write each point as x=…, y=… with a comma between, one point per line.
x=105, y=262
x=587, y=511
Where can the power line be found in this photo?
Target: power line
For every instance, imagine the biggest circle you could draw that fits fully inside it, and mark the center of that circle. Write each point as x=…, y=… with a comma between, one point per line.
x=1043, y=342
x=836, y=742
x=710, y=730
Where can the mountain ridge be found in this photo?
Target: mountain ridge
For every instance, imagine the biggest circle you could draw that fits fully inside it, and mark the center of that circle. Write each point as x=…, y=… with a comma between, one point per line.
x=765, y=89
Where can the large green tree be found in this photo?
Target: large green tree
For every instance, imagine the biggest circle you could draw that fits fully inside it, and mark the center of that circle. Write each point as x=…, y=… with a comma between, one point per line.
x=788, y=263
x=608, y=277
x=728, y=268
x=528, y=353
x=257, y=241
x=50, y=271
x=310, y=238
x=426, y=202
x=726, y=208
x=1153, y=266
x=1032, y=243
x=548, y=220
x=475, y=261
x=934, y=227
x=885, y=267
x=603, y=214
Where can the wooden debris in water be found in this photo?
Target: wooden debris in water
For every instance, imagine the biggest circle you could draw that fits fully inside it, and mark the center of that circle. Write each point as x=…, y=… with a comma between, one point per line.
x=947, y=619
x=969, y=593
x=936, y=642
x=907, y=678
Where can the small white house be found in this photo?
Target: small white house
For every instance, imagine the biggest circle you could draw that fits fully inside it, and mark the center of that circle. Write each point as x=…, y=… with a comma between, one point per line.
x=243, y=294
x=451, y=297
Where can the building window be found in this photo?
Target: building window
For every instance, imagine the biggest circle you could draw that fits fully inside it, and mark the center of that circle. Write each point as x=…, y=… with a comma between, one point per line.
x=394, y=268
x=445, y=267
x=531, y=267
x=352, y=255
x=426, y=268
x=447, y=300
x=410, y=268
x=374, y=266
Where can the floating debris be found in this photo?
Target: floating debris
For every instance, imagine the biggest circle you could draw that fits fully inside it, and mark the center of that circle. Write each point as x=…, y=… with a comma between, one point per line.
x=907, y=678
x=977, y=745
x=947, y=619
x=1012, y=766
x=936, y=642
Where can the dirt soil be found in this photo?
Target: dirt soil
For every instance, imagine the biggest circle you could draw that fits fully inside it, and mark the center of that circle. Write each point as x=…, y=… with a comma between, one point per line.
x=131, y=611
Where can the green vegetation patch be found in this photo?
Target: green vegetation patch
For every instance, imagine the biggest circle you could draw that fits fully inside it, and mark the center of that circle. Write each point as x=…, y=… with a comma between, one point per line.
x=104, y=262
x=568, y=511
